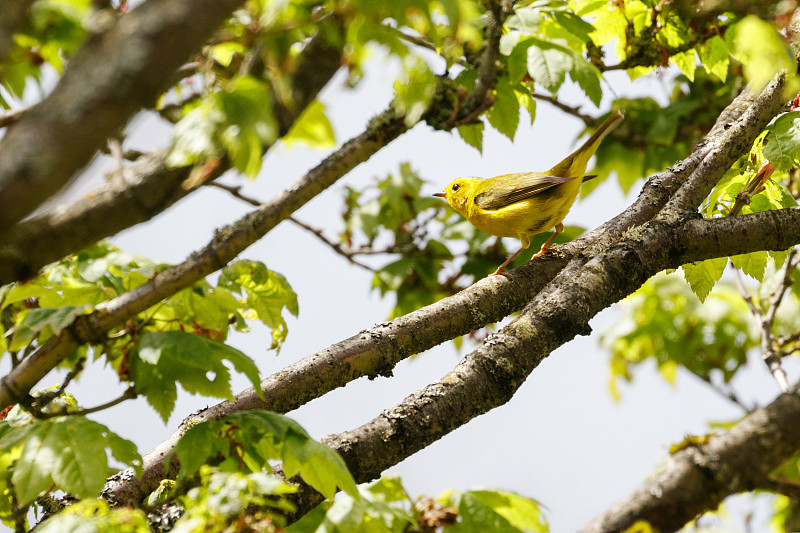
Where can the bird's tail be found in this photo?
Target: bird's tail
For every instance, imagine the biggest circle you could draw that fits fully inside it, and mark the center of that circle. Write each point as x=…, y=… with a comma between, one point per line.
x=575, y=163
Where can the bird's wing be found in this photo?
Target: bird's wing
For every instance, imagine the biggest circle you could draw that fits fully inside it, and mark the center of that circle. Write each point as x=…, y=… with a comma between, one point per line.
x=512, y=188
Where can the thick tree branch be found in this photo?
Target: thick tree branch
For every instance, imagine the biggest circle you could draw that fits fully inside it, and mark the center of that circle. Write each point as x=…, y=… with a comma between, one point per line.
x=145, y=189
x=114, y=75
x=12, y=17
x=125, y=489
x=375, y=351
x=661, y=187
x=12, y=115
x=489, y=376
x=699, y=185
x=224, y=247
x=698, y=478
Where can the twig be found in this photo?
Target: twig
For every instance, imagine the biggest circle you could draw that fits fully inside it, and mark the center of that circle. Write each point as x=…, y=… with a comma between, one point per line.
x=769, y=354
x=746, y=296
x=481, y=96
x=42, y=401
x=336, y=247
x=9, y=117
x=574, y=111
x=753, y=187
x=727, y=393
x=423, y=43
x=129, y=394
x=771, y=357
x=235, y=190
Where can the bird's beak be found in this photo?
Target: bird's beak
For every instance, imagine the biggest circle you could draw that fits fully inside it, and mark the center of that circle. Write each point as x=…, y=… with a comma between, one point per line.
x=439, y=194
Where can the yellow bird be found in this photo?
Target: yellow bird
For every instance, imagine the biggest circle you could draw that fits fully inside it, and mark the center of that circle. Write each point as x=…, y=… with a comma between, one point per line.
x=527, y=203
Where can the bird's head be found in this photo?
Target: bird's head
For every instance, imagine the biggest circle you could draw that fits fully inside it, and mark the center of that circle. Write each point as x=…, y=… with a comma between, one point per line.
x=459, y=192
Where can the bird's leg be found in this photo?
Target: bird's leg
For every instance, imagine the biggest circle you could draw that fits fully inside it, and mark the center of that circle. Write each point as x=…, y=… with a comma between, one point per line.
x=545, y=249
x=501, y=270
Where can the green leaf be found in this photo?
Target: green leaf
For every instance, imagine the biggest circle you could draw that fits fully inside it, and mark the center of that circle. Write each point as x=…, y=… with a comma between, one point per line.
x=318, y=465
x=195, y=138
x=703, y=275
x=267, y=294
x=521, y=512
x=588, y=77
x=238, y=120
x=472, y=135
x=518, y=58
x=196, y=446
x=752, y=264
x=504, y=113
x=547, y=63
x=257, y=437
x=526, y=19
x=248, y=123
x=203, y=306
x=687, y=62
x=763, y=52
x=390, y=278
x=47, y=320
x=312, y=128
x=527, y=101
x=163, y=358
x=414, y=91
x=93, y=515
x=223, y=499
x=574, y=24
x=496, y=511
x=715, y=57
x=609, y=24
x=782, y=144
x=223, y=53
x=69, y=452
x=382, y=506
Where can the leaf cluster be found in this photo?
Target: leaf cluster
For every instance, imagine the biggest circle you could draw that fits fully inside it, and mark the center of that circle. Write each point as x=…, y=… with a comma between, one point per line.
x=384, y=506
x=178, y=341
x=53, y=31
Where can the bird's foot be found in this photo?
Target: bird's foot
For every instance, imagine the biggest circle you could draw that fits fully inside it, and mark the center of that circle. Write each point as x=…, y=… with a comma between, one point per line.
x=544, y=251
x=502, y=272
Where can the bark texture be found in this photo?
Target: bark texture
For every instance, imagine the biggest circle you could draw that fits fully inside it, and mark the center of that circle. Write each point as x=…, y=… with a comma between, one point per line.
x=116, y=73
x=141, y=191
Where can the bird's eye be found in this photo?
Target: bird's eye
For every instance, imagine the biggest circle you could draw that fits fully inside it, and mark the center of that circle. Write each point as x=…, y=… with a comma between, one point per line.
x=455, y=187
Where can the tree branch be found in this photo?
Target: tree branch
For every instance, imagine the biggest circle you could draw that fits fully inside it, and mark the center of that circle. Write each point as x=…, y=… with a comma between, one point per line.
x=336, y=247
x=12, y=115
x=661, y=187
x=699, y=185
x=126, y=490
x=12, y=17
x=570, y=110
x=489, y=376
x=769, y=351
x=225, y=246
x=699, y=477
x=377, y=350
x=232, y=240
x=148, y=187
x=109, y=79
